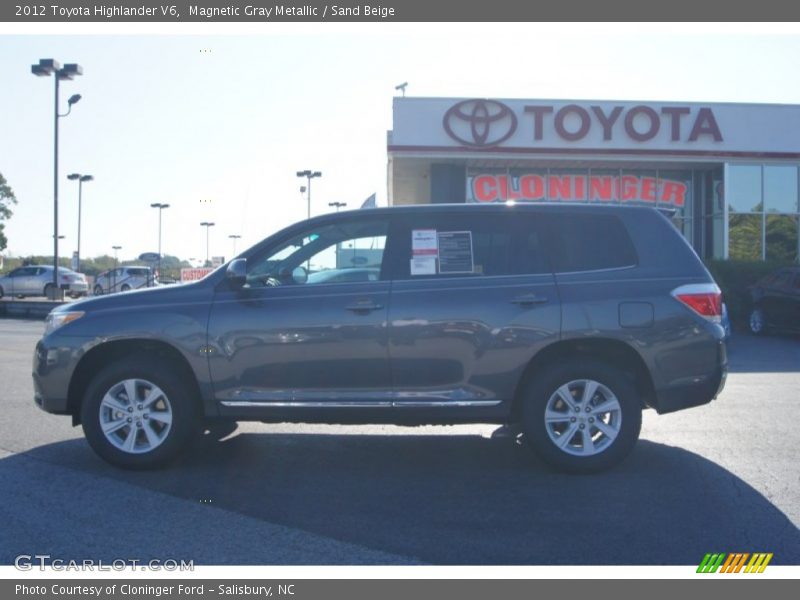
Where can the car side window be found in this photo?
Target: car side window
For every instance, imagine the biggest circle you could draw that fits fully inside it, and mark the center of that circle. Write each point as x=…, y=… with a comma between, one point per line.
x=589, y=243
x=447, y=245
x=343, y=252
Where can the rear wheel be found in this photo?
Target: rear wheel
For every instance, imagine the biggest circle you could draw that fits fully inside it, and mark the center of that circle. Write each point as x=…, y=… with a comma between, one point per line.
x=48, y=290
x=758, y=321
x=2, y=292
x=582, y=416
x=125, y=287
x=137, y=414
x=98, y=290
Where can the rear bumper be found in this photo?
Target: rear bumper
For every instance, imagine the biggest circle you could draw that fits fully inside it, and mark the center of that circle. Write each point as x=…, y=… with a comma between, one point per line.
x=702, y=390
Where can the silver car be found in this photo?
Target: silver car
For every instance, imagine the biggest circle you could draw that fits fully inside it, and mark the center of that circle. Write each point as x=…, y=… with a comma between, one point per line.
x=123, y=279
x=37, y=280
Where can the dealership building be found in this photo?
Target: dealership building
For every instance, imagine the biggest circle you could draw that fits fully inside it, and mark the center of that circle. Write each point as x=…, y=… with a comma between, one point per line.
x=727, y=174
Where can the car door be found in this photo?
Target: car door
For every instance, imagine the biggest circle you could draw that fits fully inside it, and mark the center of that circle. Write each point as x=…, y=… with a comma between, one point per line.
x=24, y=282
x=284, y=340
x=471, y=303
x=15, y=281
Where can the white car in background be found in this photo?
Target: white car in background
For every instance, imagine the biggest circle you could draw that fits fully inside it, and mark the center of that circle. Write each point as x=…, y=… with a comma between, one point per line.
x=37, y=280
x=123, y=279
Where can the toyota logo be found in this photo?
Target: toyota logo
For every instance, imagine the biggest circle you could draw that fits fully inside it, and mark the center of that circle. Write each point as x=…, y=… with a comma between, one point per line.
x=480, y=123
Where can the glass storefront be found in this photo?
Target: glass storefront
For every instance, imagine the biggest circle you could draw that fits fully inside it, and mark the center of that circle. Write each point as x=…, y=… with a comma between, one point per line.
x=763, y=212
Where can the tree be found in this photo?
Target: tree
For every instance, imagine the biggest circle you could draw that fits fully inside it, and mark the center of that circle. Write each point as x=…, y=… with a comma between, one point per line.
x=7, y=198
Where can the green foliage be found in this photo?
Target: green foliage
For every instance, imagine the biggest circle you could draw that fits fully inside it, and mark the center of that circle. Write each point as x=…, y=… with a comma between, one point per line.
x=7, y=198
x=735, y=277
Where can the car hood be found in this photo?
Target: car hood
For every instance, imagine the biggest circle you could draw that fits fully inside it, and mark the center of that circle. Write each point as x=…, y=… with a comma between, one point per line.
x=156, y=296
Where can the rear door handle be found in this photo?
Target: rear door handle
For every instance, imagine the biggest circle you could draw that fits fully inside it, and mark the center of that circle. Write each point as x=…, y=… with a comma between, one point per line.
x=364, y=306
x=529, y=299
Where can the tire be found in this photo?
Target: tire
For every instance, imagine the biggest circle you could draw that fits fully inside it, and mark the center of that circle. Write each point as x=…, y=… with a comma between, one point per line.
x=125, y=287
x=607, y=447
x=159, y=440
x=98, y=290
x=2, y=292
x=757, y=321
x=47, y=289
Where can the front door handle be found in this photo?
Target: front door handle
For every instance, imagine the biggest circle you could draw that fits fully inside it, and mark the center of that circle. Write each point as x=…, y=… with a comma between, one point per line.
x=364, y=306
x=529, y=299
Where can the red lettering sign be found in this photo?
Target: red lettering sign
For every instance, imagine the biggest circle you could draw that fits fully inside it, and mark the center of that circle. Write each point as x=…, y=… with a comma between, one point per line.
x=577, y=188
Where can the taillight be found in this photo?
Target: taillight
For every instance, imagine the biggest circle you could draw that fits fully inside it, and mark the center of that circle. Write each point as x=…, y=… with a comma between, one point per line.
x=703, y=298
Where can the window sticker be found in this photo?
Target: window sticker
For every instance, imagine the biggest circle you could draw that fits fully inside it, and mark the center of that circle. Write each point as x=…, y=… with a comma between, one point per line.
x=424, y=242
x=423, y=265
x=455, y=252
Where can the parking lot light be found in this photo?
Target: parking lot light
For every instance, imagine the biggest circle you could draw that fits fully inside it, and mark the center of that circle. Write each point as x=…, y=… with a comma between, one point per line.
x=80, y=179
x=45, y=68
x=309, y=175
x=207, y=225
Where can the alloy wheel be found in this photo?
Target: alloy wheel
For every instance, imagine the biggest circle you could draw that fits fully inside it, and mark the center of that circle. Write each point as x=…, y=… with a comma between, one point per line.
x=583, y=417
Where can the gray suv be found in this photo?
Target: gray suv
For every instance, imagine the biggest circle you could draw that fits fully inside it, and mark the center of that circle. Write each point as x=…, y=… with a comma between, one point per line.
x=561, y=321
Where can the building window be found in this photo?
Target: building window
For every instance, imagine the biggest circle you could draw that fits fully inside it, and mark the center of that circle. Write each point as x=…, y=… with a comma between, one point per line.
x=763, y=212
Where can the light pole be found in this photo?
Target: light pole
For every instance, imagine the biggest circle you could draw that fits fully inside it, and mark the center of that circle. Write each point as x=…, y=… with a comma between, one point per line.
x=45, y=68
x=80, y=178
x=207, y=225
x=309, y=175
x=115, y=266
x=160, y=207
x=234, y=238
x=338, y=205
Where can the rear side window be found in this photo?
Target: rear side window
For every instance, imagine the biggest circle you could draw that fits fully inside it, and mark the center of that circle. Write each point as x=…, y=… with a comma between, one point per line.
x=456, y=245
x=589, y=243
x=137, y=272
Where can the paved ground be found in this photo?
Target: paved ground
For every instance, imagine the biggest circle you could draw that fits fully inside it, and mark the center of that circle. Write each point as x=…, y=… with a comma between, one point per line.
x=719, y=478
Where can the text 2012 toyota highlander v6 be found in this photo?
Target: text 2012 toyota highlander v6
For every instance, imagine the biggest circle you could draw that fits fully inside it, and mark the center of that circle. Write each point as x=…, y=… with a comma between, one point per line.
x=565, y=321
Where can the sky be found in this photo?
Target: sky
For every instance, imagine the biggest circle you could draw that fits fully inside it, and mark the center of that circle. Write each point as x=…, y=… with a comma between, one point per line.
x=218, y=125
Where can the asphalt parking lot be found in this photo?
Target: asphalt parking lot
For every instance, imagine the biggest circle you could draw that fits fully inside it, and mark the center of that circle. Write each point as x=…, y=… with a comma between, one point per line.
x=719, y=478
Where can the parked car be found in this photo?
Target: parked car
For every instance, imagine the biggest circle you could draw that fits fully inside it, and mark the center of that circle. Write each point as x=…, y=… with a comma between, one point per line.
x=123, y=279
x=37, y=280
x=776, y=302
x=563, y=321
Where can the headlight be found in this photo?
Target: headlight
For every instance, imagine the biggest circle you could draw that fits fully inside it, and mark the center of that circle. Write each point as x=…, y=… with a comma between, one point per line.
x=57, y=319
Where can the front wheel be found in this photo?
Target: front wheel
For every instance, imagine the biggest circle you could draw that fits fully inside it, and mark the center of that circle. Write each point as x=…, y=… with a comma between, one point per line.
x=137, y=414
x=98, y=290
x=582, y=416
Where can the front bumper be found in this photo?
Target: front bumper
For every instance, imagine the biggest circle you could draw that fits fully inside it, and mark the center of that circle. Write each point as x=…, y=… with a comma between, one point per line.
x=52, y=368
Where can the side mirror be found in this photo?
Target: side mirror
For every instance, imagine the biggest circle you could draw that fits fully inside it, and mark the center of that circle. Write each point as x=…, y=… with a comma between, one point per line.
x=236, y=273
x=300, y=275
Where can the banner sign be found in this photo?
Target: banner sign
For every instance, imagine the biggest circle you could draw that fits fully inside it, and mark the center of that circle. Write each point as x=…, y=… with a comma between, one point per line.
x=576, y=188
x=194, y=274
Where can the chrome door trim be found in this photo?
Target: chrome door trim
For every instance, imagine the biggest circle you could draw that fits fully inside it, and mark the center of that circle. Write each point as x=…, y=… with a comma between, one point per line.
x=377, y=404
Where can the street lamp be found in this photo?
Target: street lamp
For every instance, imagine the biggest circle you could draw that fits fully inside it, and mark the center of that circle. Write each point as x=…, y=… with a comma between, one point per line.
x=338, y=205
x=80, y=179
x=234, y=238
x=160, y=207
x=115, y=248
x=45, y=68
x=309, y=175
x=207, y=225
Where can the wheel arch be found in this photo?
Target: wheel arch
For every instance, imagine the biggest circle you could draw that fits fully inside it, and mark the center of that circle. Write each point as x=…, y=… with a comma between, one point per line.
x=615, y=352
x=102, y=355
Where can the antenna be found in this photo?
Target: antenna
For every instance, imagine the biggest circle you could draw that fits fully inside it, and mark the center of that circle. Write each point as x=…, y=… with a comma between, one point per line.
x=402, y=88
